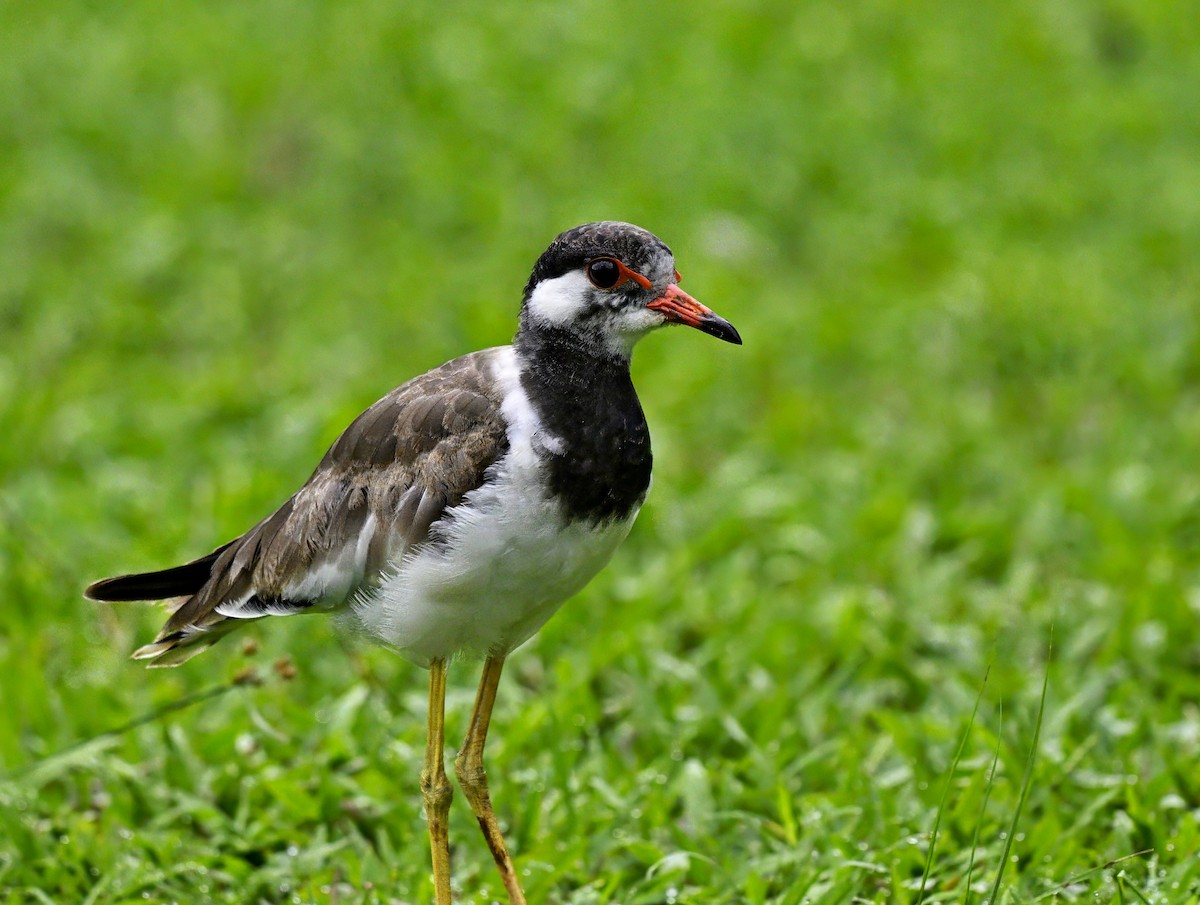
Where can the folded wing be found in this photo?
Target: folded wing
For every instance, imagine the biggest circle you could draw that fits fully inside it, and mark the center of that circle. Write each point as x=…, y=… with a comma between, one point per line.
x=380, y=490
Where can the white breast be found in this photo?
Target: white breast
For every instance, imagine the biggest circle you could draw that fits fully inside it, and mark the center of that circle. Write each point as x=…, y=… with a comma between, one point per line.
x=509, y=562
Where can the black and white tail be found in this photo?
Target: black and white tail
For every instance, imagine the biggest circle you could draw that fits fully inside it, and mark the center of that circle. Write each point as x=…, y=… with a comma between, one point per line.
x=177, y=585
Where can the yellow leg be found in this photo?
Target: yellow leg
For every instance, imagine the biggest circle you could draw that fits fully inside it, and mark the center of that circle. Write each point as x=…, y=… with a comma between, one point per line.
x=471, y=776
x=436, y=790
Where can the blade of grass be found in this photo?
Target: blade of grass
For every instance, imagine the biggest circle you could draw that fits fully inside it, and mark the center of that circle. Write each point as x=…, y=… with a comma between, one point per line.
x=208, y=694
x=937, y=820
x=1027, y=780
x=1123, y=883
x=1079, y=878
x=987, y=794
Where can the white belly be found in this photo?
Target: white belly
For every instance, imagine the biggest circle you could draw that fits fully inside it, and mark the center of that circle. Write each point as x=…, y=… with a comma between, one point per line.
x=508, y=565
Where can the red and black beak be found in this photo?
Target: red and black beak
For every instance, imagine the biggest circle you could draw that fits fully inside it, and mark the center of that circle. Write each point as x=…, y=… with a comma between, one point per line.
x=681, y=308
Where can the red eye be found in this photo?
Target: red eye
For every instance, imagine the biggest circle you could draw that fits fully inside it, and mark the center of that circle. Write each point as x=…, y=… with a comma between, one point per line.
x=604, y=273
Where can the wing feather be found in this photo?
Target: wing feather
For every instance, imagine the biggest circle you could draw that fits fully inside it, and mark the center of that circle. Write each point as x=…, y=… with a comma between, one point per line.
x=380, y=489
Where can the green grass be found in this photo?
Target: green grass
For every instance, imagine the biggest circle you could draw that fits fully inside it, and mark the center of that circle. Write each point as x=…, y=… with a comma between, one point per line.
x=960, y=243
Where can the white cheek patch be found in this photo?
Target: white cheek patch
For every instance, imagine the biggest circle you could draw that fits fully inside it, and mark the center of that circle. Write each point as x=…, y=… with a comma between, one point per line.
x=571, y=301
x=561, y=300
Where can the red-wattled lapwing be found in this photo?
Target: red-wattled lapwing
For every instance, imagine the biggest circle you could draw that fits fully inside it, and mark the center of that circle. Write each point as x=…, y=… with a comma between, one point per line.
x=458, y=513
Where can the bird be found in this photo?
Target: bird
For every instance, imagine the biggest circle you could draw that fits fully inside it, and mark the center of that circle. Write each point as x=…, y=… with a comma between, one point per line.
x=458, y=513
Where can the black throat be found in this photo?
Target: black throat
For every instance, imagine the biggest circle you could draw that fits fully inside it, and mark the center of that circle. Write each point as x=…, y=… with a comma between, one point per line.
x=584, y=396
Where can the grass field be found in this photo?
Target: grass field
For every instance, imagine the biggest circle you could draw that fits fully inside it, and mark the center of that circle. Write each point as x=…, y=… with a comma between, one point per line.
x=955, y=461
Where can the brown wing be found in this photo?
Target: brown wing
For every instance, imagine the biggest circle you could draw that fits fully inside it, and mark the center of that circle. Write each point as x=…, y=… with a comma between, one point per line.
x=381, y=488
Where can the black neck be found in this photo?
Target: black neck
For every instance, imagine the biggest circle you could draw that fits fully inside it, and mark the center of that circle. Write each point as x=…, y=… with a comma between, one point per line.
x=584, y=396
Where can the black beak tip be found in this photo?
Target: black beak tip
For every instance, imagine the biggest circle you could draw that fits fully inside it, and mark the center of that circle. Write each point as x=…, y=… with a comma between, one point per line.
x=721, y=329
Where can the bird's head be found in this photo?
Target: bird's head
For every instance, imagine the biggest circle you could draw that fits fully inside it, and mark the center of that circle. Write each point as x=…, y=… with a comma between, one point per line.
x=609, y=284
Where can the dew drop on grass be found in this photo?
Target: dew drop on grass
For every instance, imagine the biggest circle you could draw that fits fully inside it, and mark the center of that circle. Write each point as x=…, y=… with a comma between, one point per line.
x=245, y=744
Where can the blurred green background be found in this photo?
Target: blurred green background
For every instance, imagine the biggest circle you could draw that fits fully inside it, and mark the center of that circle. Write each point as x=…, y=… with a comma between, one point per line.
x=955, y=457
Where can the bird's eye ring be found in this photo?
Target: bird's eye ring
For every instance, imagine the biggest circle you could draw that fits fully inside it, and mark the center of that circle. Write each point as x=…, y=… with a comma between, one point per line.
x=605, y=273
